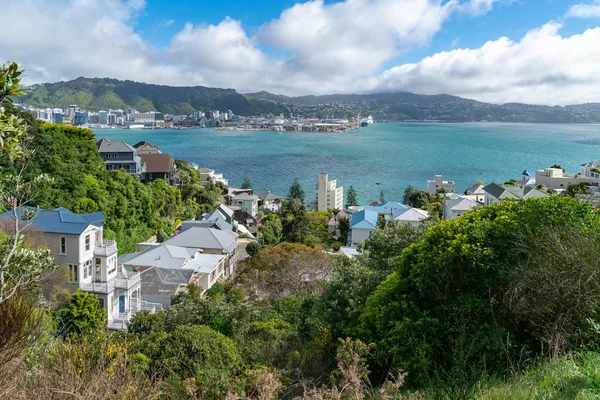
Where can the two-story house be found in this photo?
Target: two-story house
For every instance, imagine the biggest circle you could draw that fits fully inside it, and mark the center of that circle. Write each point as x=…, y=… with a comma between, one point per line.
x=119, y=155
x=270, y=203
x=158, y=166
x=76, y=241
x=246, y=202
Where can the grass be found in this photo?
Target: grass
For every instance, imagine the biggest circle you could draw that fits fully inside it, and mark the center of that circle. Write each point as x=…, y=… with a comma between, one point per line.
x=571, y=377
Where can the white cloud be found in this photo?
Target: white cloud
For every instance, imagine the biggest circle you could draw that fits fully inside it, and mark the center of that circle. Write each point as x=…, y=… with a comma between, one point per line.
x=543, y=67
x=339, y=47
x=585, y=10
x=166, y=23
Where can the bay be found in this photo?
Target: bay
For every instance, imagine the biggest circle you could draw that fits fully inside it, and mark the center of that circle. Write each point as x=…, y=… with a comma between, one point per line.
x=395, y=154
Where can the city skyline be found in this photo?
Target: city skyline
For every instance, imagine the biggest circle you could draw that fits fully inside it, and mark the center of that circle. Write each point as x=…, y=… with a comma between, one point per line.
x=497, y=51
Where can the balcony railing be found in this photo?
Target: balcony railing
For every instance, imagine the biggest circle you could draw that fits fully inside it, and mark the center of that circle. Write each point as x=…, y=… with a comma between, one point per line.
x=98, y=287
x=108, y=247
x=133, y=279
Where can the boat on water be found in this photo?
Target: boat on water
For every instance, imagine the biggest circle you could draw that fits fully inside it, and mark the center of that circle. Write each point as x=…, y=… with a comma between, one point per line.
x=378, y=183
x=135, y=126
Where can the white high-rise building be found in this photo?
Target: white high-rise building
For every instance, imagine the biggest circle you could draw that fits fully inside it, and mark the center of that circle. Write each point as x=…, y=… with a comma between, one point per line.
x=438, y=183
x=329, y=195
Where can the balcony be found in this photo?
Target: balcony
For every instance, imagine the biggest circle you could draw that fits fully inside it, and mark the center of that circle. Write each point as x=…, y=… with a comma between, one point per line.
x=98, y=287
x=133, y=279
x=105, y=248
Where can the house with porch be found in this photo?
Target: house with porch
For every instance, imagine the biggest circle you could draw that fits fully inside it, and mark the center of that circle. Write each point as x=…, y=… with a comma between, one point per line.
x=76, y=242
x=158, y=166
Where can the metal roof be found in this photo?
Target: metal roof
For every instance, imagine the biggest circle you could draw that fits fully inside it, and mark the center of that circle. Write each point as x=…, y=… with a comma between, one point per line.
x=106, y=146
x=205, y=238
x=60, y=220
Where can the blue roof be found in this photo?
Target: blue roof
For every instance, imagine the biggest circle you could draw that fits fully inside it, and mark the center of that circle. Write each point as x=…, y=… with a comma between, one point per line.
x=62, y=220
x=364, y=219
x=391, y=207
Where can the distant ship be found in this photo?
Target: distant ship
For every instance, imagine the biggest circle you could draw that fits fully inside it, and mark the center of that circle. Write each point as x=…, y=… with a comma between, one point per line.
x=367, y=121
x=136, y=126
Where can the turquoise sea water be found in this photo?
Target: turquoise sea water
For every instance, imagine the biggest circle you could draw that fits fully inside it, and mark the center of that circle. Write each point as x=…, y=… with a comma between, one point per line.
x=397, y=154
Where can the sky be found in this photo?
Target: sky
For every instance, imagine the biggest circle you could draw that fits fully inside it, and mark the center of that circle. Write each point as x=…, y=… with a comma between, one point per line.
x=531, y=51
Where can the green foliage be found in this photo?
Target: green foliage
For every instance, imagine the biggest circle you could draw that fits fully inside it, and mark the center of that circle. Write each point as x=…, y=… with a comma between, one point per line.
x=271, y=230
x=296, y=192
x=104, y=93
x=80, y=313
x=579, y=188
x=351, y=197
x=246, y=184
x=459, y=275
x=252, y=248
x=145, y=322
x=295, y=224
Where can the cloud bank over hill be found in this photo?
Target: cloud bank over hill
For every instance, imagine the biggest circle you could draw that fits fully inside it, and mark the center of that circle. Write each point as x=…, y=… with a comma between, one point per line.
x=313, y=48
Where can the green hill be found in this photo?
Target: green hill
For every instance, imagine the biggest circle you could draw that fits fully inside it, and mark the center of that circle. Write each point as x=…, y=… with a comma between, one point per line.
x=104, y=93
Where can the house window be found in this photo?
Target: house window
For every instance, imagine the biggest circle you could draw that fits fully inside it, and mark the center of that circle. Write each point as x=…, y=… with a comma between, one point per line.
x=88, y=265
x=63, y=245
x=101, y=303
x=115, y=155
x=87, y=243
x=85, y=274
x=73, y=272
x=108, y=155
x=212, y=275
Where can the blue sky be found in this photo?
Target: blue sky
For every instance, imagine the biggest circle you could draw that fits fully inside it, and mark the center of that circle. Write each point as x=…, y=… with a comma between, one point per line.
x=536, y=51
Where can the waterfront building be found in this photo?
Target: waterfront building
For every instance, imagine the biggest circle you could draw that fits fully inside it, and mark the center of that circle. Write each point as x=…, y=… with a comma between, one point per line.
x=270, y=203
x=158, y=166
x=246, y=202
x=557, y=178
x=103, y=117
x=455, y=207
x=81, y=118
x=435, y=185
x=329, y=195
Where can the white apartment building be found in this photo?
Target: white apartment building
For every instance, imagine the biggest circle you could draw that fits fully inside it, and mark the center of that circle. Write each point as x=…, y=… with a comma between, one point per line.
x=557, y=178
x=76, y=241
x=329, y=195
x=433, y=186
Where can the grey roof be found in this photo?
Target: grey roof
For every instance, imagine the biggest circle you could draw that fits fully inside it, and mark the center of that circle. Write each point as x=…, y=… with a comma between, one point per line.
x=163, y=281
x=476, y=189
x=462, y=204
x=205, y=238
x=245, y=196
x=106, y=146
x=513, y=192
x=205, y=170
x=268, y=196
x=143, y=145
x=164, y=255
x=60, y=220
x=204, y=263
x=217, y=223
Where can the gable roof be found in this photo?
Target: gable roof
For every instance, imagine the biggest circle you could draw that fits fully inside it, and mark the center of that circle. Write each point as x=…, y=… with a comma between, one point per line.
x=157, y=162
x=412, y=215
x=513, y=192
x=106, y=146
x=364, y=219
x=476, y=189
x=462, y=204
x=146, y=146
x=268, y=196
x=205, y=238
x=60, y=220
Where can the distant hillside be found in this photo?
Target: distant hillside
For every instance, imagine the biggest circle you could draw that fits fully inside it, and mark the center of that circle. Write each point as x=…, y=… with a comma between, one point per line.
x=103, y=93
x=404, y=106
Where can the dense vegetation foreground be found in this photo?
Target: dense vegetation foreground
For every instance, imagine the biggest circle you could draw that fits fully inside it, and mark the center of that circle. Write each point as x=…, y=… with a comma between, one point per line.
x=501, y=303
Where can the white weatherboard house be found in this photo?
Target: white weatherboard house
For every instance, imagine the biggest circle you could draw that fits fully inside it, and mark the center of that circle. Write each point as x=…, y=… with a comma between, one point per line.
x=454, y=208
x=438, y=183
x=76, y=241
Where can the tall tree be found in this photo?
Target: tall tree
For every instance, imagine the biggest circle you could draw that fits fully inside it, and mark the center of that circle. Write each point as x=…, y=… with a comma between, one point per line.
x=352, y=198
x=408, y=192
x=20, y=266
x=246, y=184
x=296, y=191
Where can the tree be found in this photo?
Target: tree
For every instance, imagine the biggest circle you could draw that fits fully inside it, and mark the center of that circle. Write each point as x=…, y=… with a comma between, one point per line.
x=81, y=313
x=408, y=192
x=271, y=230
x=286, y=269
x=419, y=199
x=246, y=184
x=381, y=197
x=252, y=248
x=295, y=224
x=469, y=278
x=296, y=191
x=351, y=198
x=20, y=265
x=344, y=228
